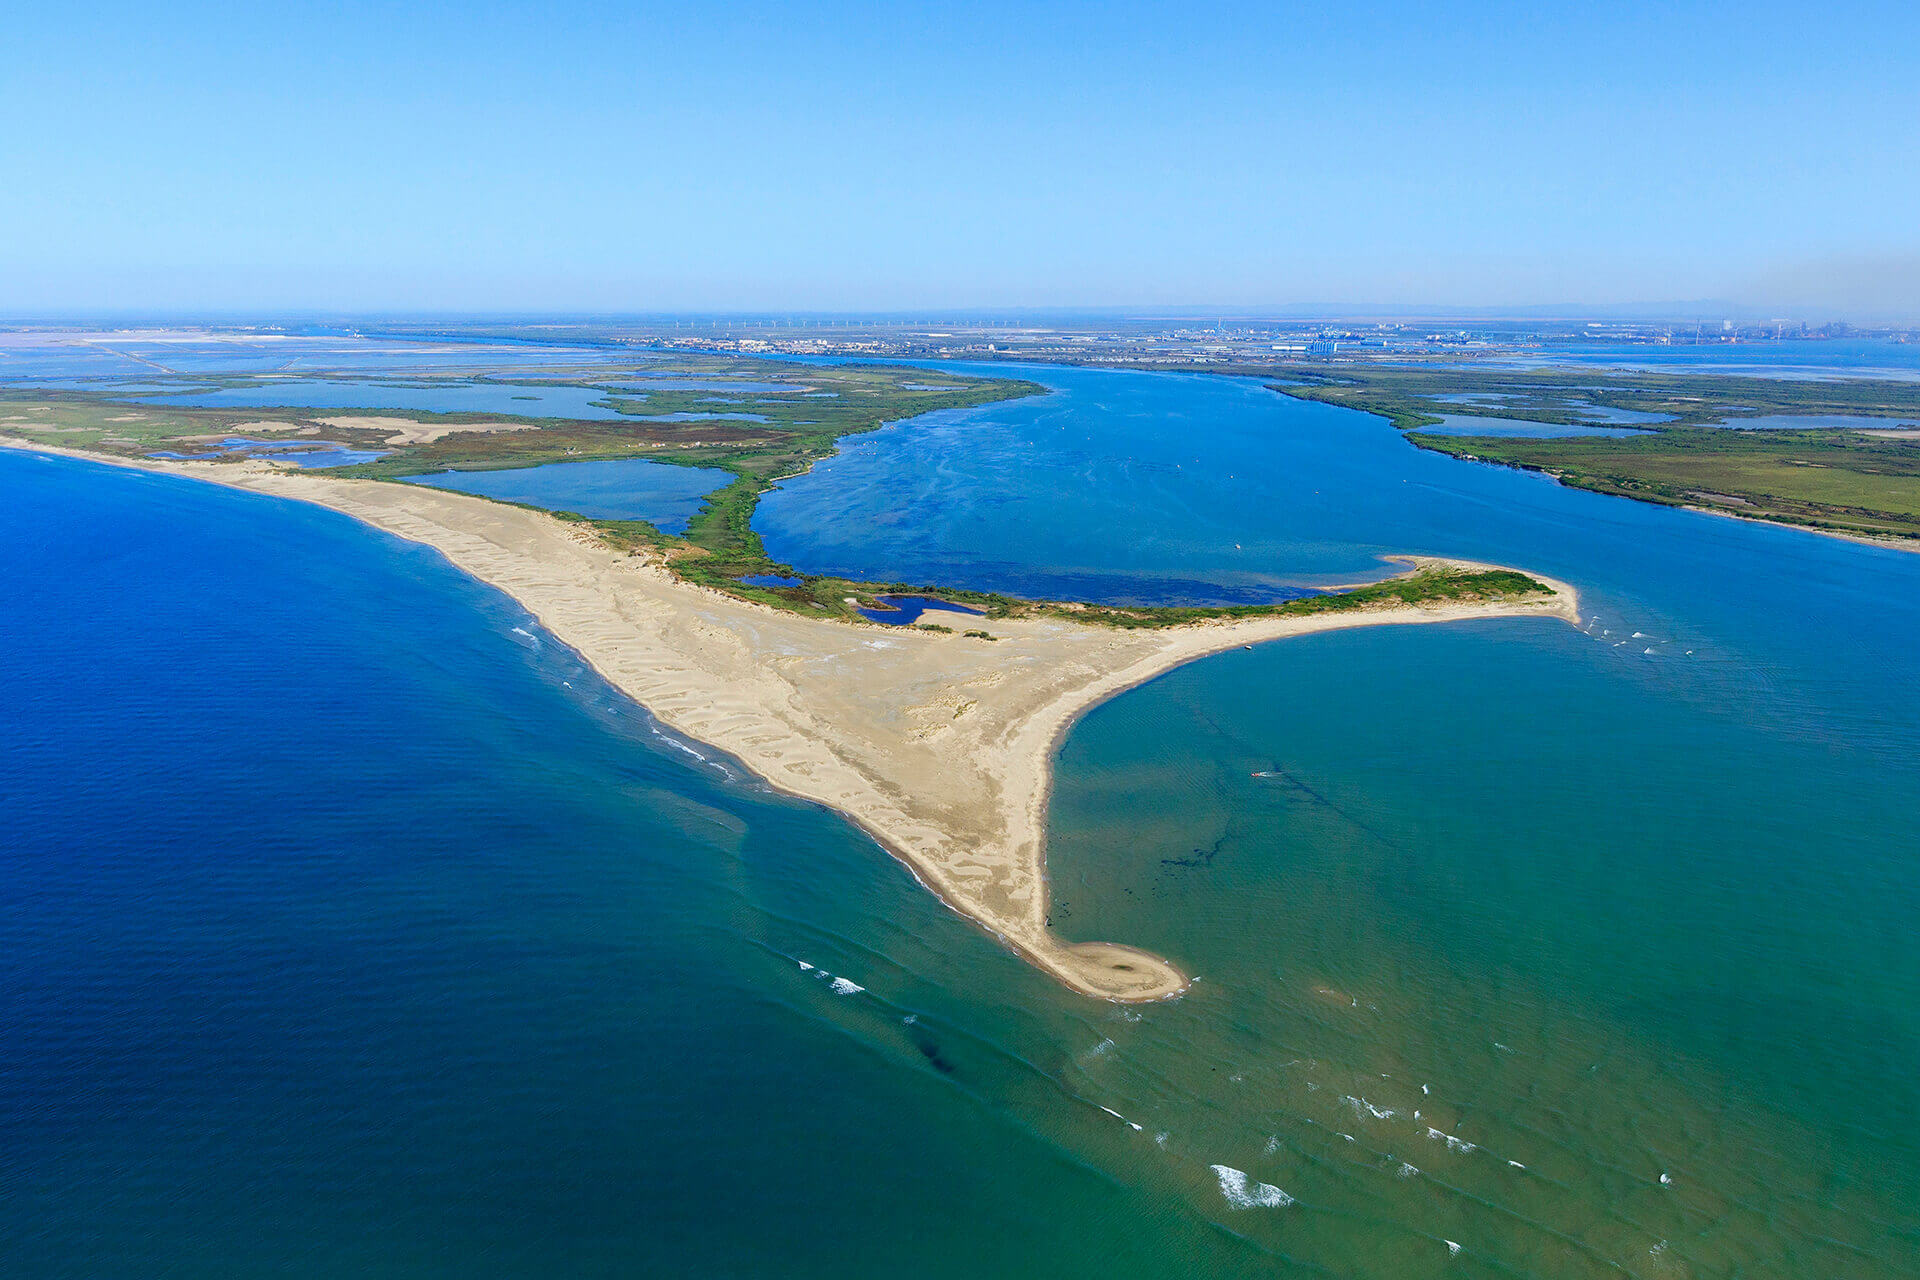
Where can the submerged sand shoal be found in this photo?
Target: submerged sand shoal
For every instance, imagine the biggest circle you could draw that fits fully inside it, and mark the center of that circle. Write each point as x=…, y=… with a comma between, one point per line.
x=939, y=745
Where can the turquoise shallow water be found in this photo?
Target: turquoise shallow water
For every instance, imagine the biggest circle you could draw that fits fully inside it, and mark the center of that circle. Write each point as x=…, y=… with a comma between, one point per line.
x=366, y=931
x=1644, y=842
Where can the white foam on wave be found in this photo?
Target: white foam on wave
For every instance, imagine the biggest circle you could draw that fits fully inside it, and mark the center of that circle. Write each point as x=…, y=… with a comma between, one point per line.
x=1406, y=1170
x=1361, y=1107
x=1453, y=1248
x=1243, y=1192
x=1516, y=1164
x=678, y=745
x=1453, y=1143
x=846, y=987
x=804, y=966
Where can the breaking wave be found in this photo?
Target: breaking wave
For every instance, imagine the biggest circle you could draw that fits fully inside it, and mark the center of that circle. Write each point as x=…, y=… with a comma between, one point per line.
x=1243, y=1192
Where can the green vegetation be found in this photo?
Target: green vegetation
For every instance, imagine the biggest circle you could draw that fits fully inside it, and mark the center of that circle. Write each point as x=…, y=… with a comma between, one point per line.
x=1418, y=396
x=1837, y=480
x=1426, y=586
x=720, y=550
x=841, y=597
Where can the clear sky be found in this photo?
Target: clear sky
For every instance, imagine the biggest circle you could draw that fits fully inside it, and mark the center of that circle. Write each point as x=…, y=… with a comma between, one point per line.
x=850, y=156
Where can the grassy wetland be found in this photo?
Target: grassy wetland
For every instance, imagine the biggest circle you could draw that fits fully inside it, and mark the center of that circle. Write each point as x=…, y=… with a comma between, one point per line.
x=1678, y=445
x=758, y=421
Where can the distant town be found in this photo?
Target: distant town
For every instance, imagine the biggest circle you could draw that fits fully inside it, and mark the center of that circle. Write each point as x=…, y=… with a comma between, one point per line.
x=1159, y=341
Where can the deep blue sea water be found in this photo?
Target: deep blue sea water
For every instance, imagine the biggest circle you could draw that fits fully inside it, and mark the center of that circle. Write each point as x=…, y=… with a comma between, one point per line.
x=357, y=928
x=353, y=928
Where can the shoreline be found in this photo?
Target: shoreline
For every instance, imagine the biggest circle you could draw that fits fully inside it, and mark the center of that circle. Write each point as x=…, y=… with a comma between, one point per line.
x=938, y=746
x=1892, y=542
x=1889, y=542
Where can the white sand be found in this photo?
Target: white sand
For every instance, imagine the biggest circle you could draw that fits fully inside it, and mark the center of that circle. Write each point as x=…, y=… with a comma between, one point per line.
x=413, y=431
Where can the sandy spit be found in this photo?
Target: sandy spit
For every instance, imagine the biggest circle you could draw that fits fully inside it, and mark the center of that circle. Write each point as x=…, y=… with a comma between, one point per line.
x=413, y=431
x=940, y=746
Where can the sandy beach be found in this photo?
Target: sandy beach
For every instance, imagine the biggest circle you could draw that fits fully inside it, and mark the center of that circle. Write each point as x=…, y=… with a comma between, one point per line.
x=938, y=745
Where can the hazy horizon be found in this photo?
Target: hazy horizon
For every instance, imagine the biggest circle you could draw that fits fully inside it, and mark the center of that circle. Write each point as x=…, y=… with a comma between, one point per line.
x=1675, y=315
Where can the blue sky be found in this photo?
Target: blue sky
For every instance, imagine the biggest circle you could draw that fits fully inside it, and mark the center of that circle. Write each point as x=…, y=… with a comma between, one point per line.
x=844, y=156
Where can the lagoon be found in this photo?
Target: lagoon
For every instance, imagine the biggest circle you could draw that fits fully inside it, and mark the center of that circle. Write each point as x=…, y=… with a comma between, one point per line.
x=454, y=397
x=1818, y=422
x=1463, y=424
x=613, y=489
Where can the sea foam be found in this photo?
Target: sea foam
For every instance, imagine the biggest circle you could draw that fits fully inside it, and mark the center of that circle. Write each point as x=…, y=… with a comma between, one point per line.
x=1243, y=1192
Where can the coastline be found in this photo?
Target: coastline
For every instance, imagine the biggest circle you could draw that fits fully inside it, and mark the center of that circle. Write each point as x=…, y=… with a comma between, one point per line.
x=939, y=746
x=1889, y=542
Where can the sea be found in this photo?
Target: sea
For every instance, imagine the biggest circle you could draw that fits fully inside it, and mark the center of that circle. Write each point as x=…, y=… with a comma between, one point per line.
x=354, y=926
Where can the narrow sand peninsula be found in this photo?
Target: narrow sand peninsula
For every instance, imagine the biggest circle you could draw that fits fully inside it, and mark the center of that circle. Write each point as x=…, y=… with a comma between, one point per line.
x=939, y=745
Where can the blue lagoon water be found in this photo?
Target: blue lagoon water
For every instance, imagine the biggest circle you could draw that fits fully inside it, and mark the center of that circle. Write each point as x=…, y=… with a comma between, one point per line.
x=303, y=452
x=744, y=386
x=1819, y=422
x=360, y=928
x=1796, y=359
x=609, y=489
x=32, y=357
x=907, y=610
x=529, y=401
x=1466, y=424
